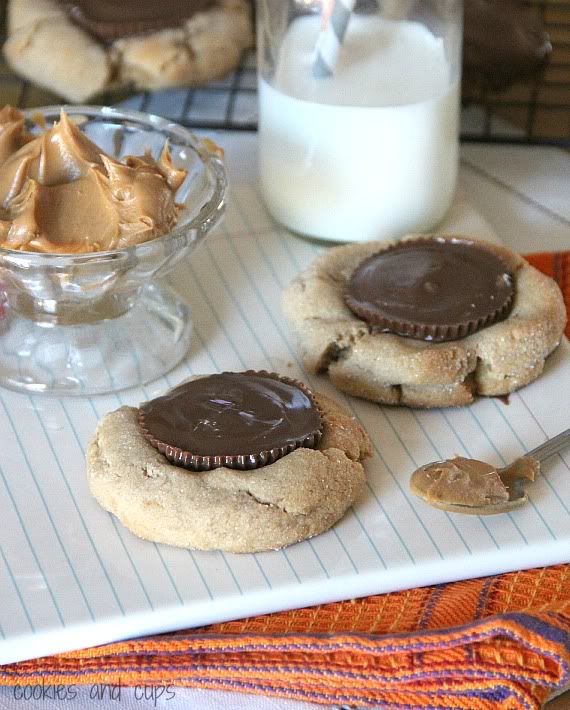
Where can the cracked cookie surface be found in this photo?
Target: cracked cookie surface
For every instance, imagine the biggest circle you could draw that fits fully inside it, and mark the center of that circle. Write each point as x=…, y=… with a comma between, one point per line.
x=298, y=496
x=45, y=46
x=392, y=369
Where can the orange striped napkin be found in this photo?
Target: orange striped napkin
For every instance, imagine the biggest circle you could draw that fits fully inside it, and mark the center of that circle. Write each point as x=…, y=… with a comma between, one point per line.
x=498, y=642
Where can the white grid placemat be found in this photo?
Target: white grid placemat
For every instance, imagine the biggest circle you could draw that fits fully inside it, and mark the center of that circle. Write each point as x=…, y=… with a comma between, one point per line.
x=72, y=576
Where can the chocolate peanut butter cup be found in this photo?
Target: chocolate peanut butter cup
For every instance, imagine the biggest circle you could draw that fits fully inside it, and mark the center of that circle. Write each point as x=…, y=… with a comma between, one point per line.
x=432, y=289
x=241, y=420
x=108, y=20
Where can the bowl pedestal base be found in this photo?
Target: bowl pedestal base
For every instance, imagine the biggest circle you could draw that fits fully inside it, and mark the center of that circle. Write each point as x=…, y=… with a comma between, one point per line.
x=112, y=354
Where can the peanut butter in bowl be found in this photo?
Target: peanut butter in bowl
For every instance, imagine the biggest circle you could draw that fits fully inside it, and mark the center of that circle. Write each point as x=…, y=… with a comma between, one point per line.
x=97, y=204
x=61, y=194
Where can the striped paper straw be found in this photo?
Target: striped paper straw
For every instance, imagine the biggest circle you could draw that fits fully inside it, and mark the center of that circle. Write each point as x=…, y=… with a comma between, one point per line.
x=331, y=37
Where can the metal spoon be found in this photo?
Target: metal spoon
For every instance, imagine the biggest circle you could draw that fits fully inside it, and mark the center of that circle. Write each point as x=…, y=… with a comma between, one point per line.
x=510, y=483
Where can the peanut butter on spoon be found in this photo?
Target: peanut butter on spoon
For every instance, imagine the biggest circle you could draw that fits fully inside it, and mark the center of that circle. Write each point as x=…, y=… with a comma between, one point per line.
x=462, y=485
x=60, y=193
x=470, y=486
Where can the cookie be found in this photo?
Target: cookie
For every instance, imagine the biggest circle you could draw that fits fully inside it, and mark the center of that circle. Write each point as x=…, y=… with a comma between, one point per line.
x=392, y=369
x=300, y=495
x=79, y=49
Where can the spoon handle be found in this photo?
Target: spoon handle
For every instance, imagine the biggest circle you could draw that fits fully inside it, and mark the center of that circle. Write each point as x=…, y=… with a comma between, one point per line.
x=551, y=446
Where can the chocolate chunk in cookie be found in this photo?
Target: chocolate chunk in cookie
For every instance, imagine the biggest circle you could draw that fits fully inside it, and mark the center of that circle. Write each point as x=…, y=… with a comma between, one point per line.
x=432, y=289
x=240, y=420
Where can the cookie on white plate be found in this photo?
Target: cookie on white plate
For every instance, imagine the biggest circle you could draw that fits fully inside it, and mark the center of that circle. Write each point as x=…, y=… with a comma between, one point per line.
x=240, y=462
x=456, y=317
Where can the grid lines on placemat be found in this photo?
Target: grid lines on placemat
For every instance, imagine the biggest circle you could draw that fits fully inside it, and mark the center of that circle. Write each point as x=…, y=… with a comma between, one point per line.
x=234, y=284
x=285, y=239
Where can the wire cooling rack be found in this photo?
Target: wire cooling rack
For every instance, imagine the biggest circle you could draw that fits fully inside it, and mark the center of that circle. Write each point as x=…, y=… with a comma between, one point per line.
x=229, y=104
x=534, y=111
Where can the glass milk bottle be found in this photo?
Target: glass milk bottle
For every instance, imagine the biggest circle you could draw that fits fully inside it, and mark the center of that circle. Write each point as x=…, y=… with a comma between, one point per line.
x=367, y=148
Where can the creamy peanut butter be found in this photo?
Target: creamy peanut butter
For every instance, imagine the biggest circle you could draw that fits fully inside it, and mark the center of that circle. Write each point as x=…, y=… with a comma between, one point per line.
x=468, y=482
x=12, y=132
x=60, y=193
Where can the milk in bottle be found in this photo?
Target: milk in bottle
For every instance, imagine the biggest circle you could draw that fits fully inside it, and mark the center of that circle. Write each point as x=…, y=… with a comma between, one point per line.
x=370, y=152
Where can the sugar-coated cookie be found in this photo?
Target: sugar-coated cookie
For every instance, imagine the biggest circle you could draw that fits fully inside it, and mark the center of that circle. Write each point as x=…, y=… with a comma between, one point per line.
x=79, y=59
x=393, y=369
x=300, y=495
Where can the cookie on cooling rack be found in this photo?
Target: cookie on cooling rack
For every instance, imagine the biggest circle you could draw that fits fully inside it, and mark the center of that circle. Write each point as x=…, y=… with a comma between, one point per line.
x=79, y=48
x=240, y=462
x=425, y=322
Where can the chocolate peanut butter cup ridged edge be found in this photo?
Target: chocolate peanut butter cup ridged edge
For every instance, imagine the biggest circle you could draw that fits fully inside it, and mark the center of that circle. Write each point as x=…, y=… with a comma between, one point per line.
x=108, y=22
x=424, y=331
x=246, y=461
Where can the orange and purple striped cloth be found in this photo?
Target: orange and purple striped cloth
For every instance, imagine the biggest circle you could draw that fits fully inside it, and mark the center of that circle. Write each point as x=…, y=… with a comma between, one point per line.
x=499, y=642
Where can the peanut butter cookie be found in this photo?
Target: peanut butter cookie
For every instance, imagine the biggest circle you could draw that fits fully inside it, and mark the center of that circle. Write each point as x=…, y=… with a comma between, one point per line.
x=79, y=48
x=456, y=362
x=299, y=495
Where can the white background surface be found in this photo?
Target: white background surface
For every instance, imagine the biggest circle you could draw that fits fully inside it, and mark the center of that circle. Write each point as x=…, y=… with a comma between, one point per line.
x=522, y=193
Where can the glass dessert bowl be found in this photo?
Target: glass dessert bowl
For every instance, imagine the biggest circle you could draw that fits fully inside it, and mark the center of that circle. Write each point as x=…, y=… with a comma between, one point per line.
x=99, y=322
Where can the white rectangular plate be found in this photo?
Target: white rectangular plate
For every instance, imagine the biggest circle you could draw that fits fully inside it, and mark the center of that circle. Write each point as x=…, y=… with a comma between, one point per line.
x=71, y=576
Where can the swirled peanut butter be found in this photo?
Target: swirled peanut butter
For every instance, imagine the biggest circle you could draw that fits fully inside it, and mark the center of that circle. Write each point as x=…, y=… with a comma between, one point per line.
x=60, y=193
x=12, y=132
x=461, y=482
